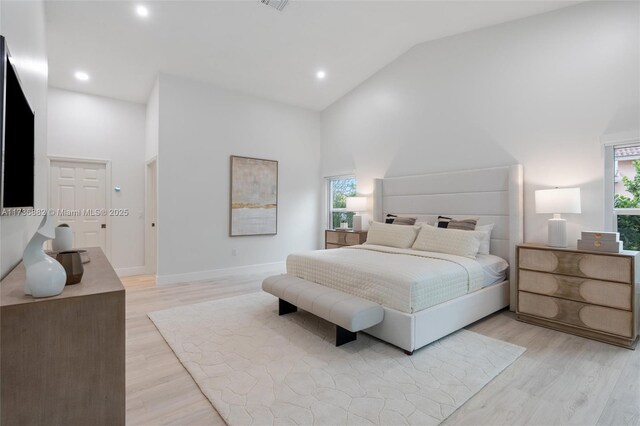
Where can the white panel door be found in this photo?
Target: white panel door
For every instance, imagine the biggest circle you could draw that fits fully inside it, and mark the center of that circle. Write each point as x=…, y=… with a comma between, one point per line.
x=78, y=194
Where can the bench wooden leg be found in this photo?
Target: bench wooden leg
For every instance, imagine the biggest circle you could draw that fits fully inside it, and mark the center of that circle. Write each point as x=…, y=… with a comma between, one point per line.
x=344, y=336
x=285, y=307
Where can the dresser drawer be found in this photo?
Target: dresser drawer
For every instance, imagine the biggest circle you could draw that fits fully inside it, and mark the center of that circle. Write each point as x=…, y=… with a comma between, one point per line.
x=608, y=320
x=601, y=267
x=587, y=290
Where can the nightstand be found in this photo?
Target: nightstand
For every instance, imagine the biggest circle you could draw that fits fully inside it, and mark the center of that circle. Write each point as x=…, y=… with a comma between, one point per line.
x=335, y=238
x=590, y=294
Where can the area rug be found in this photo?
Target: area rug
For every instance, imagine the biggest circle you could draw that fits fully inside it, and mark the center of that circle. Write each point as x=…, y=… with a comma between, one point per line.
x=260, y=368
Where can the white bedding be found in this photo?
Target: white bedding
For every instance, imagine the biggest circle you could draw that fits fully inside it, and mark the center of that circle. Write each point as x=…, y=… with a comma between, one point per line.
x=403, y=279
x=494, y=269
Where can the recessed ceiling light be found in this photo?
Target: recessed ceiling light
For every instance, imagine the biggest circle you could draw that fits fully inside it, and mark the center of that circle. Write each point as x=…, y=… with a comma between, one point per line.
x=142, y=11
x=82, y=76
x=321, y=74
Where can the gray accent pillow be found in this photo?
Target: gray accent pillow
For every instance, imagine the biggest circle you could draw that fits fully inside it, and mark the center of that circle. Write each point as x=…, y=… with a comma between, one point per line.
x=465, y=225
x=400, y=220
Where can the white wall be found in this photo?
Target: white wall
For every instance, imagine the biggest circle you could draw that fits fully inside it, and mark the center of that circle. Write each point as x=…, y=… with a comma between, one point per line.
x=87, y=126
x=539, y=91
x=152, y=124
x=23, y=25
x=200, y=127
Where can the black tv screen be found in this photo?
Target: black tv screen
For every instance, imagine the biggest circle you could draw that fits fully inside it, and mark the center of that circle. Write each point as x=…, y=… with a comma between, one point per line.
x=18, y=140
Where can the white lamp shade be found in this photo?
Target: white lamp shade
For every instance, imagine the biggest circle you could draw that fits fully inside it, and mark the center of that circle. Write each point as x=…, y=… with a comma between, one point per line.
x=559, y=200
x=356, y=204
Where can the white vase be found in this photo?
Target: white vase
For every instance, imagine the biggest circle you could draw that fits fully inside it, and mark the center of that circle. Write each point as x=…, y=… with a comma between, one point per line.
x=63, y=240
x=45, y=275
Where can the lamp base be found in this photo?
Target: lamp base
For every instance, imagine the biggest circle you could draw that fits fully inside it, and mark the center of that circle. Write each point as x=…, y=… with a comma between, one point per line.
x=557, y=232
x=357, y=222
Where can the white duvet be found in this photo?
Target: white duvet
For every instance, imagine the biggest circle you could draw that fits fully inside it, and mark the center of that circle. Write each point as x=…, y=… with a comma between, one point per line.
x=403, y=279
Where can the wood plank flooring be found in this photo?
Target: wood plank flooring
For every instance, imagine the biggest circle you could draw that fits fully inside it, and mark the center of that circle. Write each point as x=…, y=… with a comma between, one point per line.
x=138, y=281
x=561, y=379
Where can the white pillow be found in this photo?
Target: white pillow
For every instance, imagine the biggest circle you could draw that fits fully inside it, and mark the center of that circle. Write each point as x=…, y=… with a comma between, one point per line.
x=450, y=241
x=426, y=220
x=385, y=234
x=485, y=242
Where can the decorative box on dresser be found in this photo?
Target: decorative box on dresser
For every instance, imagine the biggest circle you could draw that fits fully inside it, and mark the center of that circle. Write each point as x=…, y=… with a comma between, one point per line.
x=63, y=357
x=334, y=238
x=590, y=294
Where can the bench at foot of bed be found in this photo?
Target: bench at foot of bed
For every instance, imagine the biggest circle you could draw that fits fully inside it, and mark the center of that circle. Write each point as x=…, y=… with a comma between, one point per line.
x=342, y=335
x=349, y=313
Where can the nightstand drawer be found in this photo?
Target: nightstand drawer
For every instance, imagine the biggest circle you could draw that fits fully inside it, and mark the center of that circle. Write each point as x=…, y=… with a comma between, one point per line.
x=578, y=314
x=332, y=246
x=336, y=237
x=601, y=267
x=352, y=239
x=587, y=290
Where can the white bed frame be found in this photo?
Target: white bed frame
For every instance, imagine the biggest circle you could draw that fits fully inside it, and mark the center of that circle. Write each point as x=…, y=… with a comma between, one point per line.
x=493, y=195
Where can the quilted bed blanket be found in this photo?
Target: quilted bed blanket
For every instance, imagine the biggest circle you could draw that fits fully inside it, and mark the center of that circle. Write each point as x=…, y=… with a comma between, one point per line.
x=402, y=279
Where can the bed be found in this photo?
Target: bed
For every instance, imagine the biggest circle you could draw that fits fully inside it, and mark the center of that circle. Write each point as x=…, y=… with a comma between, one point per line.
x=406, y=280
x=421, y=304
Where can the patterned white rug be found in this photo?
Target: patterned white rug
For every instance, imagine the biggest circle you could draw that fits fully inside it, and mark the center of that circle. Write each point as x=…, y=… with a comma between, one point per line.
x=258, y=368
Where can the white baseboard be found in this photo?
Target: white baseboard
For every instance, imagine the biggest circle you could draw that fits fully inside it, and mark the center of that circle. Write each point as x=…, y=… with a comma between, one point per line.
x=218, y=273
x=127, y=272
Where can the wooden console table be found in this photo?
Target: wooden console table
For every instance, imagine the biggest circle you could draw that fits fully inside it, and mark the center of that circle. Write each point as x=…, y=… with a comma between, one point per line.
x=62, y=358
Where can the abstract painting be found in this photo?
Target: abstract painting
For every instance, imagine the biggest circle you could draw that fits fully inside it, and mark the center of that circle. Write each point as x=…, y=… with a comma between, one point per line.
x=254, y=196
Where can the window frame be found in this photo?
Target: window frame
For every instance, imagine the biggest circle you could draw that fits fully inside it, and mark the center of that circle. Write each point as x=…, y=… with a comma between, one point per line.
x=611, y=213
x=329, y=210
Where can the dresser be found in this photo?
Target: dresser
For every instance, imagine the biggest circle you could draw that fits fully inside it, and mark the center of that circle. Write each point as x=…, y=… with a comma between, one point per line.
x=589, y=294
x=63, y=357
x=334, y=238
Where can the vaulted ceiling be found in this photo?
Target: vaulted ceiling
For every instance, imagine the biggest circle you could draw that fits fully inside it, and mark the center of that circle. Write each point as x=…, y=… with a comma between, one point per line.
x=250, y=47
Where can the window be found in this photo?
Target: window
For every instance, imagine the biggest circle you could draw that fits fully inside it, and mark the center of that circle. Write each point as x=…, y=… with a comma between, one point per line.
x=338, y=189
x=623, y=191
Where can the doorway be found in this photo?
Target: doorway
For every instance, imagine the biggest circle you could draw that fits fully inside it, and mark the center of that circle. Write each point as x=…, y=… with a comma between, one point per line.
x=78, y=195
x=151, y=217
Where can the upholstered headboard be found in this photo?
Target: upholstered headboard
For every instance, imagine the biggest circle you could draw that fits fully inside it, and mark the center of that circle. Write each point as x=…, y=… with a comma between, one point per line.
x=492, y=195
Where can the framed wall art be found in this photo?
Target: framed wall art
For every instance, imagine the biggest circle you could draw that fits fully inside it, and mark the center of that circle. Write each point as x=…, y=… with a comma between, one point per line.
x=254, y=197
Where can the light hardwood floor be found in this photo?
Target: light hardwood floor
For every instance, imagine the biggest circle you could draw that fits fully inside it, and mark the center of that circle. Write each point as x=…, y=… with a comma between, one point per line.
x=139, y=281
x=560, y=379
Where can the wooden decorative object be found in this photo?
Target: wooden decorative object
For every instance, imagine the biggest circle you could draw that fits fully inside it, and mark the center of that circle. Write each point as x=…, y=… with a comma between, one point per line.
x=593, y=295
x=71, y=261
x=63, y=358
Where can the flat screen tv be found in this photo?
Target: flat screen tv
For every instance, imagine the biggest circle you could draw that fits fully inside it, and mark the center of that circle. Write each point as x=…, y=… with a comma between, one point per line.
x=17, y=121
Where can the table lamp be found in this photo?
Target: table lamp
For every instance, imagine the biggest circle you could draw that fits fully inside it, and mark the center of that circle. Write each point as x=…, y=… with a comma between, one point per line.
x=557, y=201
x=357, y=205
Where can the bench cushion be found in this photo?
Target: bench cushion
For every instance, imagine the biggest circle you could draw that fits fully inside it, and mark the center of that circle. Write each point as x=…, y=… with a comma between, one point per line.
x=335, y=306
